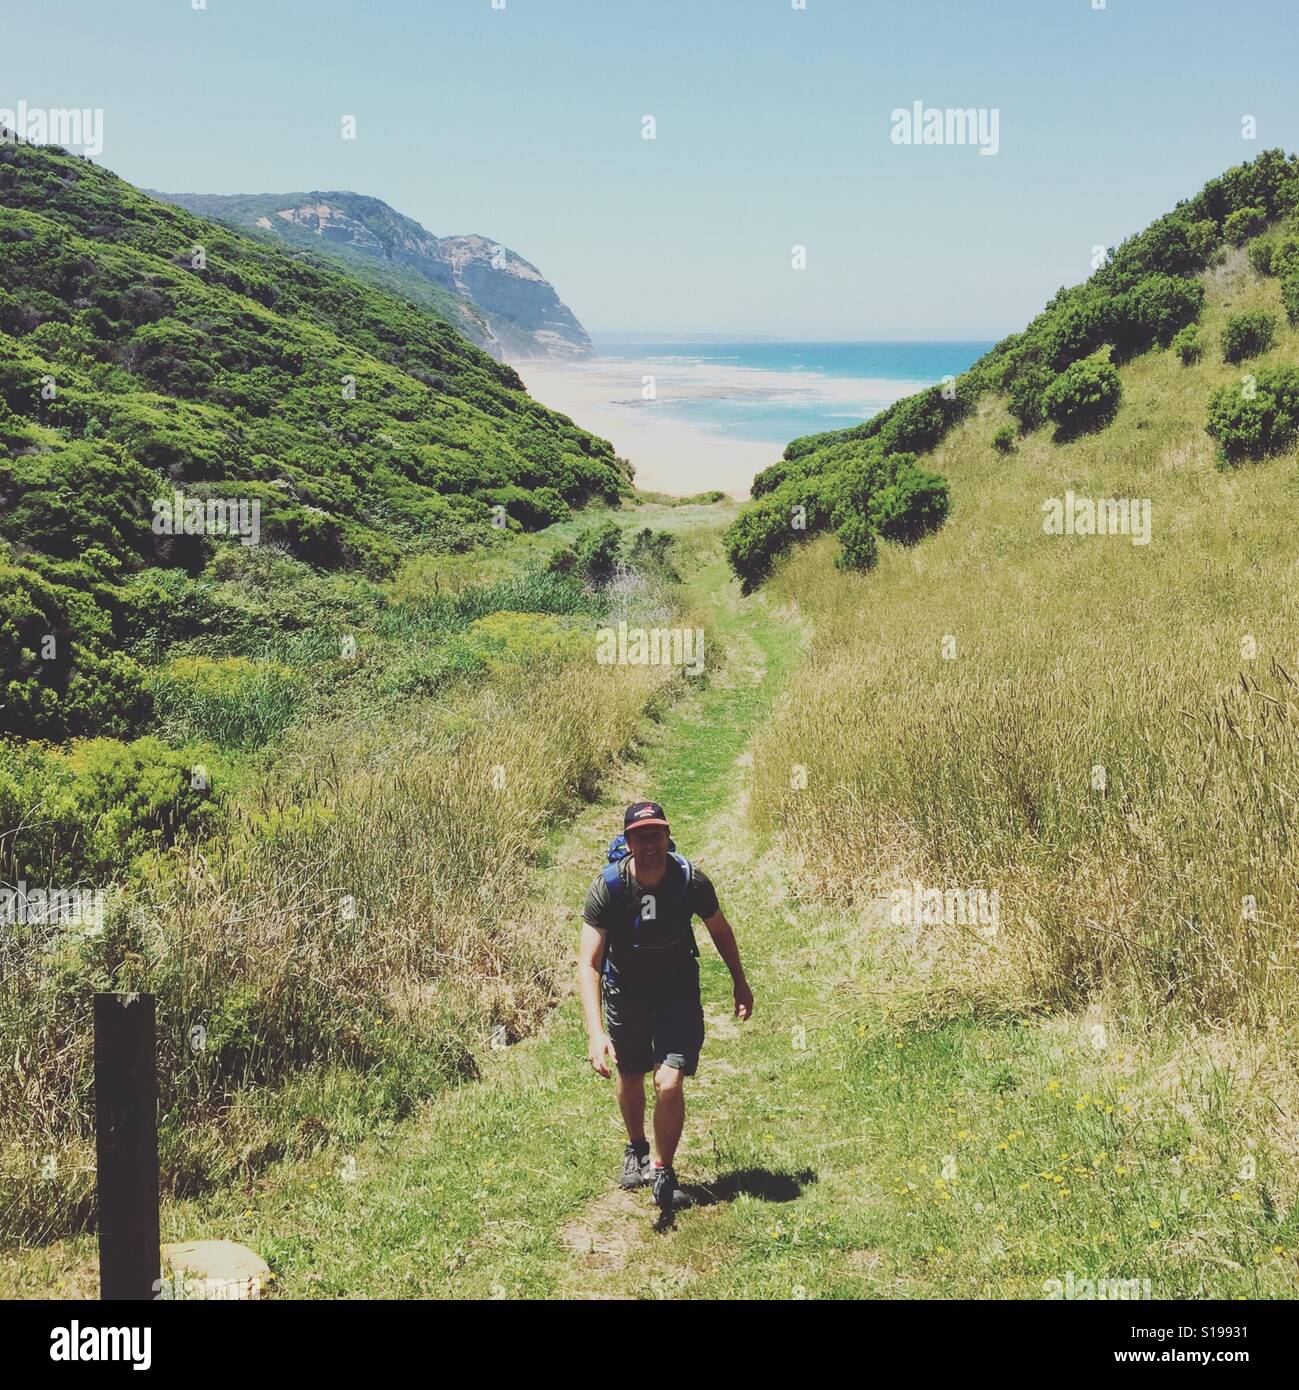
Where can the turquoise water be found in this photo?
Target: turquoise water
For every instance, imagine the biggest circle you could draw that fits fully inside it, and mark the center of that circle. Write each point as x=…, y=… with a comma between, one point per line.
x=774, y=392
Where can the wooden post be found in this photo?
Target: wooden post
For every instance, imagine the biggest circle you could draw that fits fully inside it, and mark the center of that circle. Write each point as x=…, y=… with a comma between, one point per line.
x=126, y=1144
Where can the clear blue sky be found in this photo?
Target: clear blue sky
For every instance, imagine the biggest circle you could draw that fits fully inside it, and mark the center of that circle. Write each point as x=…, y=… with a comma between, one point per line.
x=524, y=124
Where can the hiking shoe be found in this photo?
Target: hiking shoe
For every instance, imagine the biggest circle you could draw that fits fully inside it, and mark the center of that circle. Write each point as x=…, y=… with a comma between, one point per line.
x=668, y=1197
x=636, y=1164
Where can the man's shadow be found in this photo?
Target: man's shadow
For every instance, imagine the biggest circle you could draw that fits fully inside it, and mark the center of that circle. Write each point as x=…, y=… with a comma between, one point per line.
x=762, y=1183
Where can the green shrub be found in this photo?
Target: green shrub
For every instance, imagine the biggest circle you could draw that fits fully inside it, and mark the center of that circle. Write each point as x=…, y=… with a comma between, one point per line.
x=166, y=605
x=532, y=509
x=68, y=498
x=911, y=506
x=58, y=675
x=650, y=554
x=918, y=423
x=1176, y=244
x=599, y=552
x=1276, y=255
x=813, y=503
x=140, y=796
x=562, y=562
x=756, y=538
x=1073, y=331
x=1027, y=395
x=548, y=503
x=1290, y=298
x=86, y=812
x=1260, y=254
x=1258, y=418
x=771, y=477
x=1152, y=311
x=106, y=693
x=1004, y=440
x=1084, y=396
x=1284, y=261
x=1247, y=334
x=856, y=480
x=1187, y=344
x=858, y=548
x=594, y=556
x=1243, y=224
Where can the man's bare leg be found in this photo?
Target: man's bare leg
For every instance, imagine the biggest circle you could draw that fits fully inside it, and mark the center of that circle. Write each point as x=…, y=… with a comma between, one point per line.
x=669, y=1113
x=630, y=1091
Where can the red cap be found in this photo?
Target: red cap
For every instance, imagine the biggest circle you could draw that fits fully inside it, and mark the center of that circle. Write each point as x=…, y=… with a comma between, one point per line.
x=644, y=813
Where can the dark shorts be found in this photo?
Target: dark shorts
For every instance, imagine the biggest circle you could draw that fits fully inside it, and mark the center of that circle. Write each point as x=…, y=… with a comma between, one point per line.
x=650, y=1027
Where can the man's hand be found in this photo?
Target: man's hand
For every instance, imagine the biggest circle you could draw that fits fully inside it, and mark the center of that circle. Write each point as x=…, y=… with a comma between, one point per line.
x=599, y=1051
x=724, y=939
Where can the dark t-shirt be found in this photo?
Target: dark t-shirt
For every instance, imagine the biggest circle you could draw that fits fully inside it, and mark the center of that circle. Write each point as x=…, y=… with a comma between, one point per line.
x=665, y=938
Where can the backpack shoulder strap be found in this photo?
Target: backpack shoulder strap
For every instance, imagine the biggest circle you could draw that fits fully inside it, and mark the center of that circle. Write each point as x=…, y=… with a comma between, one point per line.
x=613, y=879
x=688, y=869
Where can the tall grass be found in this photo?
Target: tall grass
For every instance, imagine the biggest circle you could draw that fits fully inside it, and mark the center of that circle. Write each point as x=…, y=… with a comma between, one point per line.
x=353, y=943
x=534, y=591
x=1114, y=745
x=234, y=702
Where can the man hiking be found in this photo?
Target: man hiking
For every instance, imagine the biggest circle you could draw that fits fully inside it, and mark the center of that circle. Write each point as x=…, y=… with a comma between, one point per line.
x=638, y=951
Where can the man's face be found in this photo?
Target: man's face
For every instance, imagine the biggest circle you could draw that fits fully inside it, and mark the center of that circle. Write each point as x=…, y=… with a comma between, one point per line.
x=649, y=847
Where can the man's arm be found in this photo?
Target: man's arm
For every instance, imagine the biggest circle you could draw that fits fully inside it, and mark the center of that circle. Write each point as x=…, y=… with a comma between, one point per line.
x=724, y=939
x=590, y=953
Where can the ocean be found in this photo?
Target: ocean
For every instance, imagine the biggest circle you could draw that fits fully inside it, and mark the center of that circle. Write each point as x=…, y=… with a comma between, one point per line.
x=772, y=392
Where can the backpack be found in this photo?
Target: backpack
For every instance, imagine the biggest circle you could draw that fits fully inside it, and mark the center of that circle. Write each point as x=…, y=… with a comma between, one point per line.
x=620, y=850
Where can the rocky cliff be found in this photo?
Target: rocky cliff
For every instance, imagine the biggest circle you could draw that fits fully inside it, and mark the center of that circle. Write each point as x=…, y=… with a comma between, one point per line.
x=492, y=295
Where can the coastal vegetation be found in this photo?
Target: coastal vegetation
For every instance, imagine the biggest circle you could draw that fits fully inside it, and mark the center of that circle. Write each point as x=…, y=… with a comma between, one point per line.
x=346, y=795
x=1060, y=369
x=300, y=770
x=1100, y=726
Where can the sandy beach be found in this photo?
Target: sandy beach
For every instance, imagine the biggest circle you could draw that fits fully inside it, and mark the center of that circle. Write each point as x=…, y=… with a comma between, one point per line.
x=603, y=395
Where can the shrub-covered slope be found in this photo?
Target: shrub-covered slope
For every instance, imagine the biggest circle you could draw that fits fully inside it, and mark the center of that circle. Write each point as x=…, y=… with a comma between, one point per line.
x=145, y=352
x=1099, y=725
x=868, y=482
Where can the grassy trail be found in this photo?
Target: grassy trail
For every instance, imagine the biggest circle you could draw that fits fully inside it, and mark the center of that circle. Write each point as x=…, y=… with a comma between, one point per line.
x=832, y=1153
x=507, y=1186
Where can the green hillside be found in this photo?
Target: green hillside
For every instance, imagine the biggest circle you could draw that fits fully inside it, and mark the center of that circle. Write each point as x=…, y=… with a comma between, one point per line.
x=290, y=788
x=146, y=352
x=872, y=482
x=1095, y=719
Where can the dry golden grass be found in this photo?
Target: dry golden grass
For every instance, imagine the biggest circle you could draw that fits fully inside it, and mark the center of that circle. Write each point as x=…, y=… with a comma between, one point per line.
x=1172, y=666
